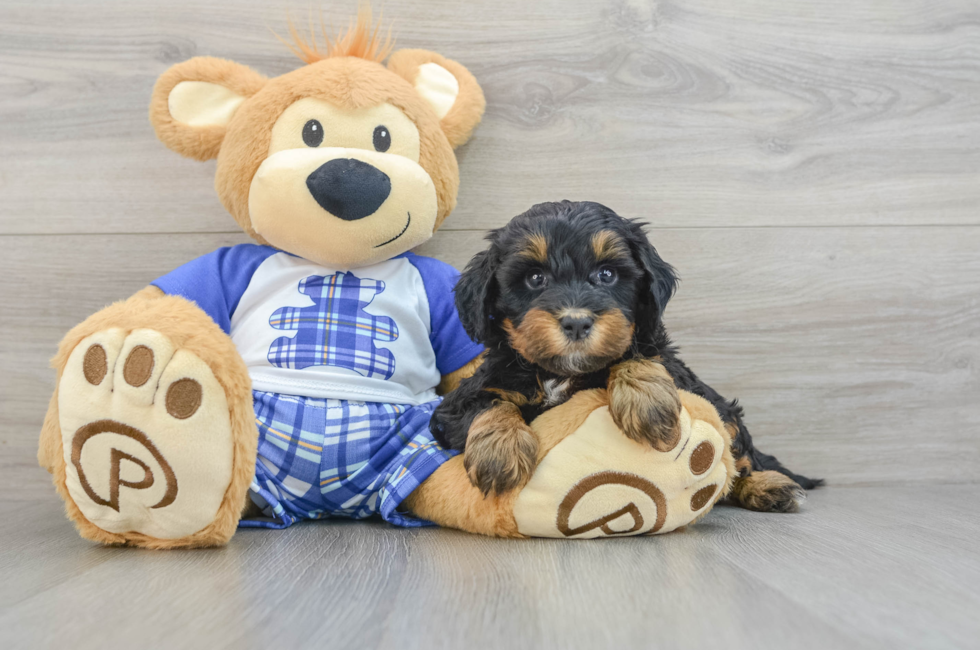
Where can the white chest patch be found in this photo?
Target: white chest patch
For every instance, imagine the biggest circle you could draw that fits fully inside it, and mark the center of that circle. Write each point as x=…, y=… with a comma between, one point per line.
x=556, y=391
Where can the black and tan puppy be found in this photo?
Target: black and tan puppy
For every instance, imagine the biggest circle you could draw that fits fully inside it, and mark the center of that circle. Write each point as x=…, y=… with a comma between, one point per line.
x=570, y=296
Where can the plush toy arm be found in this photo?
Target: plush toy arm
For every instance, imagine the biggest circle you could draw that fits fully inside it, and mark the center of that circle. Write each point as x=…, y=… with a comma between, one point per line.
x=451, y=381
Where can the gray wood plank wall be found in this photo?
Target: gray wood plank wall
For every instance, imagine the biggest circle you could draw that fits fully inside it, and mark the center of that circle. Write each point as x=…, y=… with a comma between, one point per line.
x=813, y=171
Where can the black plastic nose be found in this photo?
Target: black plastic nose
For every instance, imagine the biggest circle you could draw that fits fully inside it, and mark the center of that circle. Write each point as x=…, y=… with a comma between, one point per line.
x=349, y=189
x=576, y=328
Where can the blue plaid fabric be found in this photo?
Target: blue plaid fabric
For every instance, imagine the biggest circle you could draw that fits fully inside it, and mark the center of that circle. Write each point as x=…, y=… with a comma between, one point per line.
x=325, y=457
x=336, y=330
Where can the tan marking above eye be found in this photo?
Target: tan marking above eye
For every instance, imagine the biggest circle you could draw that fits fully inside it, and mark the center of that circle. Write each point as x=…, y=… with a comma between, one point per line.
x=536, y=248
x=606, y=245
x=346, y=128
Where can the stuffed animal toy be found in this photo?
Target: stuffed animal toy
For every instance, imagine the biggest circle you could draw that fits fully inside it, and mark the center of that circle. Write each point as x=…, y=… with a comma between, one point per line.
x=294, y=378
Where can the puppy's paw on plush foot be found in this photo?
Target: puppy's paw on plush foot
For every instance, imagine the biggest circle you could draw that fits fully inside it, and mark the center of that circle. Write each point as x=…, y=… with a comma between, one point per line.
x=146, y=436
x=644, y=403
x=501, y=450
x=768, y=491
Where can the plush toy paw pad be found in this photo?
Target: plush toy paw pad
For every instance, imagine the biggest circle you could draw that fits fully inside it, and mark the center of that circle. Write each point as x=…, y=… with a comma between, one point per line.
x=146, y=435
x=597, y=482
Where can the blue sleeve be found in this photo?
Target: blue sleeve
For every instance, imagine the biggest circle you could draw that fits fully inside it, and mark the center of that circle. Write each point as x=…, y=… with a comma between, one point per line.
x=216, y=281
x=452, y=345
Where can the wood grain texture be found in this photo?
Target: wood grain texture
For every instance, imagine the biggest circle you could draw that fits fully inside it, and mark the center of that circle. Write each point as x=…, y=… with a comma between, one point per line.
x=688, y=113
x=855, y=351
x=812, y=169
x=858, y=568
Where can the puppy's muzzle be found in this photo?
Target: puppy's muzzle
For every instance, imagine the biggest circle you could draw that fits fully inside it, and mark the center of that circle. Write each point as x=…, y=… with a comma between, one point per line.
x=349, y=189
x=576, y=327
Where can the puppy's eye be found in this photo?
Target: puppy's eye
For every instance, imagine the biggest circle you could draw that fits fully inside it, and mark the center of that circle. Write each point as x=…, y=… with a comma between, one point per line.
x=382, y=138
x=605, y=276
x=536, y=280
x=313, y=133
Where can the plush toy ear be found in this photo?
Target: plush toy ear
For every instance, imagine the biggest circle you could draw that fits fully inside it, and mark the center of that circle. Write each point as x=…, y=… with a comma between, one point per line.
x=447, y=86
x=193, y=102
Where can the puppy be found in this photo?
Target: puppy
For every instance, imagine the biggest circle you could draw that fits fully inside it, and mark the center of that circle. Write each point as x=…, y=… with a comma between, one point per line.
x=570, y=296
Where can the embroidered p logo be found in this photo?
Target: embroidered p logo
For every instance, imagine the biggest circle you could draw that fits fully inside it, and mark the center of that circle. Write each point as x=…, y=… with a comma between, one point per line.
x=587, y=502
x=336, y=330
x=111, y=483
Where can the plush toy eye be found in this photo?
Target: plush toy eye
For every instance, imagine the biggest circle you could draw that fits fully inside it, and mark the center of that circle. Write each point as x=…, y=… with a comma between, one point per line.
x=382, y=138
x=536, y=280
x=313, y=133
x=605, y=275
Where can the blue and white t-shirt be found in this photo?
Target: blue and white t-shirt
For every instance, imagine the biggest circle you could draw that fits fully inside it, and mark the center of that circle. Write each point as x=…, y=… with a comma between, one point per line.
x=380, y=333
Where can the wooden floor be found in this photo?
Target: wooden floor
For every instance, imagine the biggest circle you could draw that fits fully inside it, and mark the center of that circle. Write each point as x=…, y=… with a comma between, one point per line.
x=811, y=169
x=859, y=568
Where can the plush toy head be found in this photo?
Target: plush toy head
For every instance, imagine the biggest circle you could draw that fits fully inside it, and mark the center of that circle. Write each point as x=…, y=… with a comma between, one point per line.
x=344, y=161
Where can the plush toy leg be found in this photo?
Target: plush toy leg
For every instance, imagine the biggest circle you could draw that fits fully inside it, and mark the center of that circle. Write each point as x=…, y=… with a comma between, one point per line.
x=592, y=480
x=150, y=435
x=450, y=500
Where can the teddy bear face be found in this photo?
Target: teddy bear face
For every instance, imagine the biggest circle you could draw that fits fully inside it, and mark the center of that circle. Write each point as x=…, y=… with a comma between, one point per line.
x=344, y=161
x=360, y=166
x=341, y=162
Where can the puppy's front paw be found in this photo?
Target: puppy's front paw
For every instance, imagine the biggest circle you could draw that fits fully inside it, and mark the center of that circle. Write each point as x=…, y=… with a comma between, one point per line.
x=501, y=450
x=644, y=403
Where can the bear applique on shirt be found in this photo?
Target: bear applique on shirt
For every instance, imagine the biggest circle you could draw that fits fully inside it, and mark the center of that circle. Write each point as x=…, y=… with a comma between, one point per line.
x=336, y=330
x=381, y=333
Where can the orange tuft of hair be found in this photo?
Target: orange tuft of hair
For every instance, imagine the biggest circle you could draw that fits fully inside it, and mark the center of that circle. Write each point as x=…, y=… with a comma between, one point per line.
x=362, y=39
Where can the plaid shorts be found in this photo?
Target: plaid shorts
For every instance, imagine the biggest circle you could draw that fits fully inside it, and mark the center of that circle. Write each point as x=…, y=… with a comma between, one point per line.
x=322, y=458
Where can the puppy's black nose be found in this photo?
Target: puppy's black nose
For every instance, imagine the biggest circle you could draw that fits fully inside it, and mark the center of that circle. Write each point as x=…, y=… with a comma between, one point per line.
x=349, y=189
x=576, y=328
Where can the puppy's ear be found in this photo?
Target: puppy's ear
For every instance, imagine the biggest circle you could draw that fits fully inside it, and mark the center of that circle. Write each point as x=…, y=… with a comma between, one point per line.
x=659, y=277
x=476, y=291
x=194, y=101
x=449, y=88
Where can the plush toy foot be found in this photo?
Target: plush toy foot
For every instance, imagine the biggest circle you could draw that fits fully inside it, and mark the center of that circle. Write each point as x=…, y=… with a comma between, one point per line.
x=768, y=491
x=597, y=482
x=591, y=480
x=147, y=442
